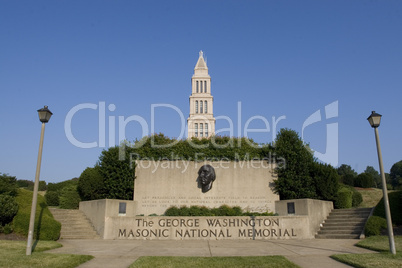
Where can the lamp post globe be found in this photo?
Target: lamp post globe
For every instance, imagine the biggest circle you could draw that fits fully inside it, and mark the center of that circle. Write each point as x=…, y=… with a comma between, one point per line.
x=374, y=119
x=44, y=114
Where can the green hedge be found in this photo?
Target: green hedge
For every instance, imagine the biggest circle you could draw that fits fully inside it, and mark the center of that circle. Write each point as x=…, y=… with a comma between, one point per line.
x=52, y=198
x=8, y=209
x=344, y=199
x=69, y=198
x=395, y=204
x=357, y=198
x=348, y=197
x=374, y=226
x=223, y=210
x=46, y=227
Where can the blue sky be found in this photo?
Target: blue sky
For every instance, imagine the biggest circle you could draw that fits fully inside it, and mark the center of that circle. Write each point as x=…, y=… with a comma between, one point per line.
x=275, y=58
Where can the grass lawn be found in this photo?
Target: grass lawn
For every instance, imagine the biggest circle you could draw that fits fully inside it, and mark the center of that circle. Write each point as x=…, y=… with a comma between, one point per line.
x=12, y=254
x=381, y=259
x=371, y=197
x=168, y=262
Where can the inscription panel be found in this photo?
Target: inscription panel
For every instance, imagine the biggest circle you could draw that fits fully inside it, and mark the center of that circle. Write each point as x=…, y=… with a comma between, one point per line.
x=187, y=228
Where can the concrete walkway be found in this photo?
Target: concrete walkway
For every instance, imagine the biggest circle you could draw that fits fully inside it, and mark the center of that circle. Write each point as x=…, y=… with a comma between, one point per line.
x=122, y=253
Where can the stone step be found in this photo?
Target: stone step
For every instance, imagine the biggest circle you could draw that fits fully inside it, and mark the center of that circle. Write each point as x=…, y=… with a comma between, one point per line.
x=73, y=221
x=346, y=221
x=351, y=210
x=330, y=223
x=337, y=236
x=74, y=224
x=343, y=228
x=323, y=231
x=78, y=233
x=79, y=237
x=79, y=229
x=344, y=224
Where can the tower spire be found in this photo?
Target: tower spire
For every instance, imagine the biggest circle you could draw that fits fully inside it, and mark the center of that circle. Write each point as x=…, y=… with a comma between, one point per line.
x=201, y=122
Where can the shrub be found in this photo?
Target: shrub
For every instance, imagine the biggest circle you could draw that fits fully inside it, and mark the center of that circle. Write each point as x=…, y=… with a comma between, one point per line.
x=204, y=211
x=8, y=209
x=46, y=227
x=8, y=228
x=395, y=205
x=90, y=184
x=60, y=185
x=357, y=198
x=8, y=185
x=374, y=225
x=364, y=180
x=344, y=198
x=194, y=211
x=223, y=210
x=172, y=211
x=184, y=211
x=52, y=198
x=42, y=186
x=25, y=184
x=69, y=198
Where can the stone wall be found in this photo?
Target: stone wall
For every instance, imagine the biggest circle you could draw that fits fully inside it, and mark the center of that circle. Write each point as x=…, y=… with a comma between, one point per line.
x=161, y=184
x=110, y=223
x=99, y=211
x=316, y=210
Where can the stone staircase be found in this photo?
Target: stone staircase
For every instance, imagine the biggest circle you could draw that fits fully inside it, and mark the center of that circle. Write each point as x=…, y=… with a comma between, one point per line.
x=74, y=224
x=344, y=223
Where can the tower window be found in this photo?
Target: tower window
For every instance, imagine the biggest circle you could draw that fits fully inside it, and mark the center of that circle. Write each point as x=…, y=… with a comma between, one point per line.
x=206, y=106
x=205, y=86
x=201, y=130
x=201, y=107
x=196, y=106
x=196, y=83
x=201, y=86
x=196, y=130
x=206, y=130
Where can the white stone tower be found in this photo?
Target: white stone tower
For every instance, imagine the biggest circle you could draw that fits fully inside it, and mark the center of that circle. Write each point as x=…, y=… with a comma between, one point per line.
x=201, y=122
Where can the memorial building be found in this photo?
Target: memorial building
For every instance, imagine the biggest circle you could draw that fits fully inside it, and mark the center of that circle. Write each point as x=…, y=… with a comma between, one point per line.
x=201, y=122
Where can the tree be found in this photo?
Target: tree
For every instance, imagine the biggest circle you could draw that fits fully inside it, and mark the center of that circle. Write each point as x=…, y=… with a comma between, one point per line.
x=294, y=179
x=364, y=180
x=118, y=174
x=346, y=170
x=347, y=174
x=348, y=179
x=376, y=176
x=396, y=175
x=326, y=181
x=8, y=185
x=42, y=186
x=25, y=184
x=91, y=185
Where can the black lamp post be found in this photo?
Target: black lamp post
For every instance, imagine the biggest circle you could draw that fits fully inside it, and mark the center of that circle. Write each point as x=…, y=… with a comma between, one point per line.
x=375, y=120
x=44, y=117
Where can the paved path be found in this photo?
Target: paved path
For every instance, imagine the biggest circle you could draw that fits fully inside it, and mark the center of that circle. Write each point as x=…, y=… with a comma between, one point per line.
x=121, y=253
